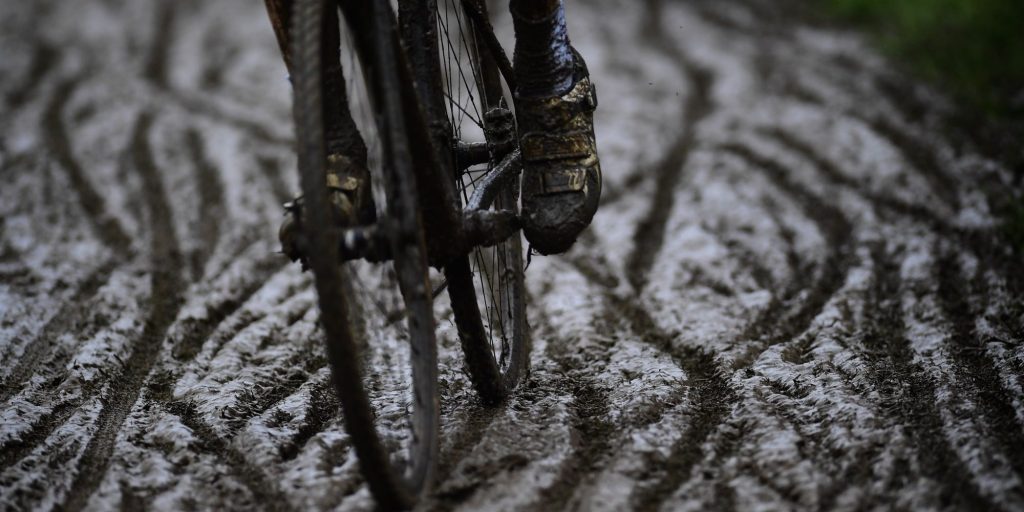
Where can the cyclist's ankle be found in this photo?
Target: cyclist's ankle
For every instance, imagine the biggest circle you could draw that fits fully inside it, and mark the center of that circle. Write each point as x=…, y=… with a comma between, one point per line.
x=543, y=59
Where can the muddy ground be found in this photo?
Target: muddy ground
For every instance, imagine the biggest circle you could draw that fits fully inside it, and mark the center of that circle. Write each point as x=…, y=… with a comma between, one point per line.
x=793, y=296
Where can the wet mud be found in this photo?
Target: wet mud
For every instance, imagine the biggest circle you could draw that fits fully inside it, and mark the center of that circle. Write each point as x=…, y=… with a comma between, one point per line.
x=794, y=296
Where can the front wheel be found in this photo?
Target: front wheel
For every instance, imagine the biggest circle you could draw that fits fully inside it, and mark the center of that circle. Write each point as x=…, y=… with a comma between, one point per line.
x=488, y=298
x=486, y=287
x=394, y=310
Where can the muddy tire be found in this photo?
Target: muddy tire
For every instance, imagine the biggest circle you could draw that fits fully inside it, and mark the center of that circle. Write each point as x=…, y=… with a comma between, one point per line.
x=496, y=353
x=395, y=485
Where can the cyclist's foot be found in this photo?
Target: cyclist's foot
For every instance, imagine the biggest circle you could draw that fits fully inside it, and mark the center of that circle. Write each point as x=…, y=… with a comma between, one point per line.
x=561, y=171
x=351, y=204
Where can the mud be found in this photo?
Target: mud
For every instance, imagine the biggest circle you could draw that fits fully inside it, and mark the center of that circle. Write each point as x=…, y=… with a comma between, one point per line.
x=794, y=296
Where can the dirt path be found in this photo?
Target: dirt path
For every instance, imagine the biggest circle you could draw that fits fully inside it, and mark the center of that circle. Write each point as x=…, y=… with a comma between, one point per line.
x=792, y=296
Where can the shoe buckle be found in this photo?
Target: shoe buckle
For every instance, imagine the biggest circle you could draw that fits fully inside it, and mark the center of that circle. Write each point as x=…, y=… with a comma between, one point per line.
x=344, y=183
x=563, y=180
x=582, y=99
x=538, y=146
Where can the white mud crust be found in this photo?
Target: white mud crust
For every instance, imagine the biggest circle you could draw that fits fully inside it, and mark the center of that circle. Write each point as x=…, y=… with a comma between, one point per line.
x=792, y=297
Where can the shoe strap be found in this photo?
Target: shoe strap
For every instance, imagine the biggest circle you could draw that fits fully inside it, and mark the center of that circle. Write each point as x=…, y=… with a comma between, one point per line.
x=562, y=180
x=557, y=110
x=344, y=183
x=571, y=178
x=540, y=146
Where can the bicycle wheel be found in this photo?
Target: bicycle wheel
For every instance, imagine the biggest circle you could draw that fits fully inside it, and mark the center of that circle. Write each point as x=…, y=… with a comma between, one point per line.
x=397, y=466
x=486, y=287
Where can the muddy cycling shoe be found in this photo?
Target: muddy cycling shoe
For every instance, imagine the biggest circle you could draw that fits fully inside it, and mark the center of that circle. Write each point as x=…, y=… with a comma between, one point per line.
x=561, y=170
x=351, y=204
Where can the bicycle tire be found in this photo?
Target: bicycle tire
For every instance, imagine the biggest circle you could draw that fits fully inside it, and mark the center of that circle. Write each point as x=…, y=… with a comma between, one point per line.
x=495, y=341
x=394, y=486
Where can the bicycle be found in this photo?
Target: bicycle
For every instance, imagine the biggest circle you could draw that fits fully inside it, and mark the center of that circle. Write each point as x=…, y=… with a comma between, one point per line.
x=450, y=203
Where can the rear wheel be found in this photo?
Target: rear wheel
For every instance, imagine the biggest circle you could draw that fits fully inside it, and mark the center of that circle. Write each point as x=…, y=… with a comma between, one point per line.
x=388, y=307
x=486, y=287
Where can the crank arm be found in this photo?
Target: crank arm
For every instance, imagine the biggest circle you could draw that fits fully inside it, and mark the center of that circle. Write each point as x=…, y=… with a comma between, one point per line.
x=485, y=228
x=492, y=182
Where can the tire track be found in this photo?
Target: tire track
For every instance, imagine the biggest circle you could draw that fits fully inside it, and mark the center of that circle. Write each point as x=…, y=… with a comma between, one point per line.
x=597, y=443
x=707, y=385
x=265, y=492
x=700, y=367
x=105, y=226
x=590, y=435
x=195, y=104
x=712, y=398
x=14, y=271
x=650, y=232
x=591, y=431
x=686, y=452
x=833, y=174
x=132, y=502
x=248, y=319
x=211, y=202
x=323, y=407
x=165, y=301
x=974, y=366
x=261, y=395
x=837, y=231
x=44, y=59
x=908, y=393
x=921, y=157
x=15, y=451
x=727, y=447
x=196, y=332
x=212, y=77
x=915, y=151
x=648, y=239
x=981, y=243
x=271, y=170
x=70, y=314
x=591, y=444
x=856, y=473
x=467, y=438
x=768, y=24
x=984, y=244
x=780, y=302
x=155, y=69
x=155, y=72
x=628, y=185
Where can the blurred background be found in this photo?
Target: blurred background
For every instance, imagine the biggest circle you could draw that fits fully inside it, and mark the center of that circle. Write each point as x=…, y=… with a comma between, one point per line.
x=974, y=47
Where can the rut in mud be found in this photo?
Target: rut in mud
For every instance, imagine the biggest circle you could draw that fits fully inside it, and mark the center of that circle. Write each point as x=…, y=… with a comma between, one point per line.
x=794, y=294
